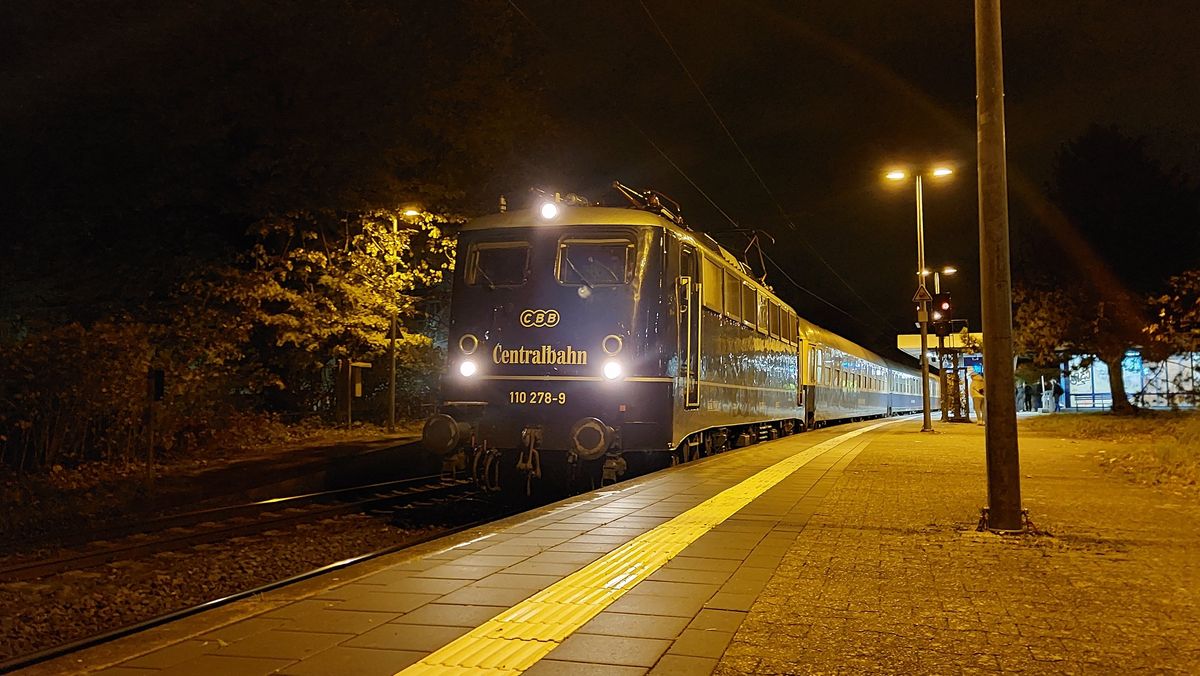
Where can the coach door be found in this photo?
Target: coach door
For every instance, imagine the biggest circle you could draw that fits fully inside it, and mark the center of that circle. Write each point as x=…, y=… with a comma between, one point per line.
x=689, y=325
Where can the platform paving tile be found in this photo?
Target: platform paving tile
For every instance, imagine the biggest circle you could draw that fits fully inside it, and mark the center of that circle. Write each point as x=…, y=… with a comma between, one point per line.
x=448, y=615
x=533, y=566
x=621, y=532
x=686, y=590
x=407, y=637
x=712, y=577
x=701, y=643
x=384, y=600
x=572, y=546
x=508, y=549
x=127, y=671
x=711, y=619
x=683, y=665
x=472, y=595
x=625, y=651
x=354, y=661
x=686, y=562
x=511, y=581
x=575, y=558
x=714, y=550
x=607, y=540
x=411, y=585
x=646, y=604
x=481, y=559
x=302, y=607
x=456, y=572
x=208, y=665
x=237, y=631
x=281, y=644
x=337, y=621
x=173, y=654
x=558, y=668
x=728, y=601
x=639, y=626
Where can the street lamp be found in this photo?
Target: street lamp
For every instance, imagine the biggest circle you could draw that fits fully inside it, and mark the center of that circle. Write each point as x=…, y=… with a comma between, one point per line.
x=409, y=213
x=922, y=297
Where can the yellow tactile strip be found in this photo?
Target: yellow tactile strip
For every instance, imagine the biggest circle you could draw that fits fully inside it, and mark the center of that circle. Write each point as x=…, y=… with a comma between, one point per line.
x=514, y=640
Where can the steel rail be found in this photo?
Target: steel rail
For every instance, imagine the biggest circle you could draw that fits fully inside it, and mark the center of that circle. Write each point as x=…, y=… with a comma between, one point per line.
x=211, y=525
x=48, y=654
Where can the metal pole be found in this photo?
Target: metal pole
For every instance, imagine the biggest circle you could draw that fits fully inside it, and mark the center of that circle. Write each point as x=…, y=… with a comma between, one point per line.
x=937, y=288
x=1003, y=461
x=391, y=417
x=923, y=315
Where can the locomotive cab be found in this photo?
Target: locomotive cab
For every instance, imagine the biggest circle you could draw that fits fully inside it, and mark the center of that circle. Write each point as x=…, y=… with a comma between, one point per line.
x=554, y=341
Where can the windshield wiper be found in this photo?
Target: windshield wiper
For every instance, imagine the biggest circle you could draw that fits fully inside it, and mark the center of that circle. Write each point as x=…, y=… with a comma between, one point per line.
x=567, y=258
x=491, y=285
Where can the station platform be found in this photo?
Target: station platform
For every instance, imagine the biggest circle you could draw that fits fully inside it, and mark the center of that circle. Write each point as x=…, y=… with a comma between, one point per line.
x=851, y=549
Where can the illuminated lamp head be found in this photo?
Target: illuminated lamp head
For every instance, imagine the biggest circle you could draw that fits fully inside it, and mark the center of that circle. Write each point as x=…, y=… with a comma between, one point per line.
x=612, y=369
x=467, y=368
x=548, y=210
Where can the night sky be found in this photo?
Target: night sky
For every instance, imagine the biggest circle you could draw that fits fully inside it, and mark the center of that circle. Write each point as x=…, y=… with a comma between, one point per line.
x=822, y=97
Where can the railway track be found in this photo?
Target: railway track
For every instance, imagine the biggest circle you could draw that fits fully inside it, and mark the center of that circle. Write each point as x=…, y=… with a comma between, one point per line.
x=221, y=523
x=77, y=645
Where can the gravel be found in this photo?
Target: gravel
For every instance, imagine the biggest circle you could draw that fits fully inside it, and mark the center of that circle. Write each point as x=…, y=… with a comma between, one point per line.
x=40, y=614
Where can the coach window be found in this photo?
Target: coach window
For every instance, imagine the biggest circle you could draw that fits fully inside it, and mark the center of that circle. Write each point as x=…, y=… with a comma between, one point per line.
x=749, y=304
x=594, y=262
x=493, y=264
x=764, y=313
x=733, y=295
x=710, y=282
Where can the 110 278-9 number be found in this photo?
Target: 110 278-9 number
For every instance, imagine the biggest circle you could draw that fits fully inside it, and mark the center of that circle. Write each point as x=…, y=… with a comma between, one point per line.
x=537, y=397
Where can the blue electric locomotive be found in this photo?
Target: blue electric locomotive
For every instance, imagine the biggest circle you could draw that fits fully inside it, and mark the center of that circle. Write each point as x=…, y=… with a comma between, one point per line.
x=584, y=339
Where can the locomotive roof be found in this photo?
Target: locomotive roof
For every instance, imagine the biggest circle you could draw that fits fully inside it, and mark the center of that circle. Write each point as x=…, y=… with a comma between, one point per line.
x=571, y=216
x=568, y=216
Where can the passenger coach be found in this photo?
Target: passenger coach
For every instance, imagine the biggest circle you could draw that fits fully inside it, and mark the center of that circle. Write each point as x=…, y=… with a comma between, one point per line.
x=584, y=339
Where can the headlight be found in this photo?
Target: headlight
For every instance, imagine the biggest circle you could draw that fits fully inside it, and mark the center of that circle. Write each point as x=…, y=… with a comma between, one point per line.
x=549, y=210
x=467, y=368
x=612, y=370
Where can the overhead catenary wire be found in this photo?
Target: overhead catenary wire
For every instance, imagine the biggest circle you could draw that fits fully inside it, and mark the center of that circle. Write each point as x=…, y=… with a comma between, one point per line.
x=753, y=170
x=733, y=222
x=662, y=153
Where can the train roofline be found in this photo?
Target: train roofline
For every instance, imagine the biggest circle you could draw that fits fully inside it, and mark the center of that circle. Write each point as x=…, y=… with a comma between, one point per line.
x=582, y=216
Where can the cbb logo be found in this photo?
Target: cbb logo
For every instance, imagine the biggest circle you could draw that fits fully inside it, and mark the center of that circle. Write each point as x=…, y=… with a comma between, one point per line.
x=539, y=318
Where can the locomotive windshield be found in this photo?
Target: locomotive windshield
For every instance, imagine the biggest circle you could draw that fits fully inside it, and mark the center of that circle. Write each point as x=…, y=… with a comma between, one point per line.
x=595, y=262
x=493, y=264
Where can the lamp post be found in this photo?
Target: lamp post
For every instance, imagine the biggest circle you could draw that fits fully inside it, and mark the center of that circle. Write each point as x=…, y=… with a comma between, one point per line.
x=922, y=297
x=391, y=420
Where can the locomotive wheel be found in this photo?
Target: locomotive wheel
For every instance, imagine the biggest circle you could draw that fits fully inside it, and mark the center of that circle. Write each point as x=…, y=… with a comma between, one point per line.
x=485, y=469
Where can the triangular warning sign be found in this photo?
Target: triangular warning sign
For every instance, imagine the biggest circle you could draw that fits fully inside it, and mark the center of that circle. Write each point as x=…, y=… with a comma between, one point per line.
x=921, y=295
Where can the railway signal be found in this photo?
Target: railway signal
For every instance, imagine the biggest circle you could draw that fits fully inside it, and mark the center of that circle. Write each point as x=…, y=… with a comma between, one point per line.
x=942, y=314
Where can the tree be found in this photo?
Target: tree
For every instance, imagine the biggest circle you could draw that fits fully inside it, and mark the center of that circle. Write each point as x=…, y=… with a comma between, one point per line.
x=1122, y=227
x=318, y=287
x=1176, y=315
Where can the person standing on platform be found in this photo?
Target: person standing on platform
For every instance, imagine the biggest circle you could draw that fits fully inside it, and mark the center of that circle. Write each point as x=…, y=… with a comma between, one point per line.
x=977, y=398
x=1057, y=391
x=1027, y=392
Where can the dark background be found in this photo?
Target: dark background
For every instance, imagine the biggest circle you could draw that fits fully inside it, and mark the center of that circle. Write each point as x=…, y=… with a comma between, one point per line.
x=136, y=134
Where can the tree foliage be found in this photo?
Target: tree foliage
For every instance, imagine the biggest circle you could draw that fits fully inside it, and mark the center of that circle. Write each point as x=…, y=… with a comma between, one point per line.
x=1175, y=327
x=1127, y=226
x=254, y=337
